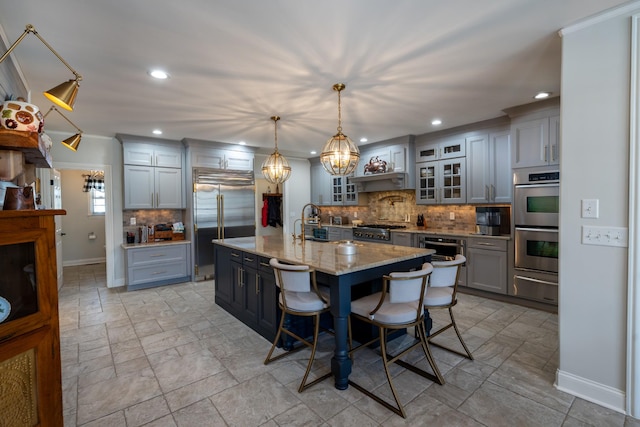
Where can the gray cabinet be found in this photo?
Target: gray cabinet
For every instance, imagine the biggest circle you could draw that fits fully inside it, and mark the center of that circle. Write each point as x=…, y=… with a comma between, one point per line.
x=217, y=158
x=441, y=182
x=403, y=239
x=339, y=233
x=489, y=168
x=487, y=264
x=245, y=287
x=343, y=191
x=320, y=184
x=153, y=175
x=157, y=265
x=536, y=142
x=441, y=149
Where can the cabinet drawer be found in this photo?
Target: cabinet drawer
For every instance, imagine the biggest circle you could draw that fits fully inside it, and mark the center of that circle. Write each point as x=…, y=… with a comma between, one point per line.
x=491, y=244
x=157, y=272
x=156, y=255
x=263, y=264
x=249, y=260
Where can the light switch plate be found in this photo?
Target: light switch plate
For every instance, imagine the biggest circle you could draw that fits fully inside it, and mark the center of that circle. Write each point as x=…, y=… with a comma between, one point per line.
x=605, y=236
x=452, y=215
x=132, y=221
x=590, y=208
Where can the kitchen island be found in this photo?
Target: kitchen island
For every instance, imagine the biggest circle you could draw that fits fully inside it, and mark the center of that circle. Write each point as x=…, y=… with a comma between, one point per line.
x=340, y=272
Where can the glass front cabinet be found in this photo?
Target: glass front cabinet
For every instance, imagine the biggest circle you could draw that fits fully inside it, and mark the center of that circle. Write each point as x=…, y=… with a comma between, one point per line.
x=30, y=368
x=441, y=181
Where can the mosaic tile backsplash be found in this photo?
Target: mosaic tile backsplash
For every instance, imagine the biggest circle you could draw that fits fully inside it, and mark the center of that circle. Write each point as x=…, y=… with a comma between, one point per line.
x=150, y=217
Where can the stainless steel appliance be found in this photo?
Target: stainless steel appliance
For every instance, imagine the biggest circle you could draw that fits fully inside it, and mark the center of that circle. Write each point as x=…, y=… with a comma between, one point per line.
x=536, y=208
x=492, y=221
x=446, y=248
x=223, y=207
x=379, y=233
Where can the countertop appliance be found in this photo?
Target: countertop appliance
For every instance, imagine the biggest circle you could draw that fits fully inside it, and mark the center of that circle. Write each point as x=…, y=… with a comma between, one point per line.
x=380, y=233
x=536, y=208
x=338, y=220
x=223, y=207
x=493, y=221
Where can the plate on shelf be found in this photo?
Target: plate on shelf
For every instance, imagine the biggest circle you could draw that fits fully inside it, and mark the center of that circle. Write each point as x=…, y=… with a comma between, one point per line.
x=5, y=309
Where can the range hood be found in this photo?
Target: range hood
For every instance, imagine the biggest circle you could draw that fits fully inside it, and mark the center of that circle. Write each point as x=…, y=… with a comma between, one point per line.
x=383, y=182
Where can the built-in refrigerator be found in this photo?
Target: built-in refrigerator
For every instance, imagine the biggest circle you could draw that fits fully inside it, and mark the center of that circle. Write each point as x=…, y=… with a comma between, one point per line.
x=223, y=207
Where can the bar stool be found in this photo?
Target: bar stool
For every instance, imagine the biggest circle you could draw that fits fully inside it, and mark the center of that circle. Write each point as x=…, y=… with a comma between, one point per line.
x=442, y=293
x=299, y=296
x=402, y=307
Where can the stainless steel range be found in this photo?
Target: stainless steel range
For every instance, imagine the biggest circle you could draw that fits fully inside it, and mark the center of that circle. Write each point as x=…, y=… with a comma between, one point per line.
x=380, y=233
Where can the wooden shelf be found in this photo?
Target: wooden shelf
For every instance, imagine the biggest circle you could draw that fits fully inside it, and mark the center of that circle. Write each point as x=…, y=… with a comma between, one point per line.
x=29, y=143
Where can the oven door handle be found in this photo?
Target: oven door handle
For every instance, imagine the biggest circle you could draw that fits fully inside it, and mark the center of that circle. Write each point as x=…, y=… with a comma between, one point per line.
x=548, y=185
x=429, y=242
x=550, y=230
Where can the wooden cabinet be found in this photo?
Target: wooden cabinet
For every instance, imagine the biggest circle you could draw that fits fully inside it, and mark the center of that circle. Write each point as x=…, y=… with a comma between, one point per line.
x=157, y=264
x=245, y=287
x=536, y=142
x=487, y=264
x=30, y=368
x=153, y=175
x=441, y=182
x=489, y=178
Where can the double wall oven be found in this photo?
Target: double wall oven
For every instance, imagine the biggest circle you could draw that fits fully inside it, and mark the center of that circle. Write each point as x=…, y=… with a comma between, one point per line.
x=535, y=213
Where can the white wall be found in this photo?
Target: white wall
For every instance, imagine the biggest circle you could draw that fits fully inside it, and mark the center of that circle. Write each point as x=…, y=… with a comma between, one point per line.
x=594, y=165
x=98, y=152
x=77, y=224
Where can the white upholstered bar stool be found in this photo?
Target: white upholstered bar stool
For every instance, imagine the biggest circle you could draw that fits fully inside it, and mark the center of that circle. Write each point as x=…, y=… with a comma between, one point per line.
x=399, y=308
x=442, y=293
x=299, y=296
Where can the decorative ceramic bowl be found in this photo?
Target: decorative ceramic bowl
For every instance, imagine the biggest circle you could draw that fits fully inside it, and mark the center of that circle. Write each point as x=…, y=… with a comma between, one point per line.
x=19, y=115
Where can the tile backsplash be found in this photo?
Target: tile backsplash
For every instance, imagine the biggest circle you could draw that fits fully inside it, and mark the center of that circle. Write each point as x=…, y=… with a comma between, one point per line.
x=150, y=217
x=398, y=206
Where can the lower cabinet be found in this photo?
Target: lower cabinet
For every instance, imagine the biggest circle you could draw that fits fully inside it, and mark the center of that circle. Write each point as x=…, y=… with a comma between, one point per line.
x=487, y=264
x=246, y=287
x=157, y=265
x=402, y=239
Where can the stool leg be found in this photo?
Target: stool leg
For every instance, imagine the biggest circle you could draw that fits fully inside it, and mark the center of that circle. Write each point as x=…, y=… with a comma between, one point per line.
x=428, y=355
x=275, y=341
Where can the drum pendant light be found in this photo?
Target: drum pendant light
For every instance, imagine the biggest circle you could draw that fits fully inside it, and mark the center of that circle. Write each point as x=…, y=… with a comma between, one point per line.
x=276, y=168
x=340, y=155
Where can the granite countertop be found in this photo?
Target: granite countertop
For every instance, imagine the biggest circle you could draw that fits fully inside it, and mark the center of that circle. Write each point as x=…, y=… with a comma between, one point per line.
x=150, y=244
x=323, y=256
x=412, y=228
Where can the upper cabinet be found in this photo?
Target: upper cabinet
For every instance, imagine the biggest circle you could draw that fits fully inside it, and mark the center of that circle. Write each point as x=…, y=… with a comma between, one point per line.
x=442, y=149
x=217, y=155
x=153, y=173
x=320, y=185
x=489, y=168
x=535, y=134
x=441, y=182
x=327, y=189
x=386, y=166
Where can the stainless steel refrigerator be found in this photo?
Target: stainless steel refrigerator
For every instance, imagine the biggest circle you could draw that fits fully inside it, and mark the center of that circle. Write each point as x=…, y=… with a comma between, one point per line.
x=223, y=207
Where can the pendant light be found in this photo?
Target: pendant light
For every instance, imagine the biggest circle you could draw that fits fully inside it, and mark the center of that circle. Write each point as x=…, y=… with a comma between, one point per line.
x=276, y=168
x=340, y=155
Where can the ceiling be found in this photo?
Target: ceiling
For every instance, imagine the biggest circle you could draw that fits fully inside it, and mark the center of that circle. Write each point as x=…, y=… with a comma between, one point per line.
x=235, y=63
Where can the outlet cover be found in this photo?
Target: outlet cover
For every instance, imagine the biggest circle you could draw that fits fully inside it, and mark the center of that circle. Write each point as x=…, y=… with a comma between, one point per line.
x=452, y=215
x=605, y=236
x=132, y=221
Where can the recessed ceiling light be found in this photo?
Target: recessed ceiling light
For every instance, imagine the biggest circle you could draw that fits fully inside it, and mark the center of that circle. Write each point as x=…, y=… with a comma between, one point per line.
x=436, y=122
x=542, y=95
x=159, y=74
x=363, y=139
x=242, y=143
x=314, y=152
x=157, y=132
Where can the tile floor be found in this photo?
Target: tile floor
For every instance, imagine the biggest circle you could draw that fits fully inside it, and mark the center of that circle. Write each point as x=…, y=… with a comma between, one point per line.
x=169, y=356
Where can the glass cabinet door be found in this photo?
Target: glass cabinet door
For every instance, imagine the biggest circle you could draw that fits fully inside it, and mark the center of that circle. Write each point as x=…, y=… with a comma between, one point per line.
x=427, y=183
x=453, y=189
x=336, y=191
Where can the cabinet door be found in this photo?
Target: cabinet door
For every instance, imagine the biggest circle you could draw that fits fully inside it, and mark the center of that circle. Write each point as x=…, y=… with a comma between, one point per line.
x=238, y=160
x=168, y=188
x=452, y=181
x=138, y=154
x=168, y=157
x=487, y=270
x=213, y=159
x=334, y=233
x=427, y=152
x=426, y=185
x=139, y=189
x=320, y=185
x=452, y=148
x=501, y=177
x=224, y=273
x=267, y=300
x=530, y=143
x=251, y=290
x=478, y=169
x=554, y=140
x=337, y=189
x=346, y=234
x=398, y=158
x=350, y=192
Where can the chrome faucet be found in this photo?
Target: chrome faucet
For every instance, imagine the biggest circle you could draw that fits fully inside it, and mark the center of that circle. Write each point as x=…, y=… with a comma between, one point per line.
x=302, y=236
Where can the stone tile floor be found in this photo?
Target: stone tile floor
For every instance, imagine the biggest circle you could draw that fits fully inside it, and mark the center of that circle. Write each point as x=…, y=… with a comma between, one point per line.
x=169, y=356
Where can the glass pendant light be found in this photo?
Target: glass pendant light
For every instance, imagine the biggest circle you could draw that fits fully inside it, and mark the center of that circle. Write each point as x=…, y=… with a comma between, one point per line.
x=276, y=168
x=340, y=155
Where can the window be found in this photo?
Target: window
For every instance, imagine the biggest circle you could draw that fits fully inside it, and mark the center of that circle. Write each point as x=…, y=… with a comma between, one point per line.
x=97, y=202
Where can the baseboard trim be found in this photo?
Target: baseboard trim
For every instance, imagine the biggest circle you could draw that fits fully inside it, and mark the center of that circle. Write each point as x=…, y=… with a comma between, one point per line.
x=592, y=391
x=86, y=261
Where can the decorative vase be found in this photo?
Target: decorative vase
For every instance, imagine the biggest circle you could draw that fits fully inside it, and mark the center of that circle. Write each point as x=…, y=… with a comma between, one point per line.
x=20, y=115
